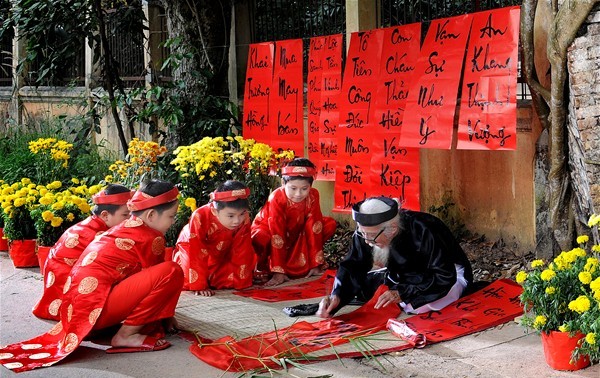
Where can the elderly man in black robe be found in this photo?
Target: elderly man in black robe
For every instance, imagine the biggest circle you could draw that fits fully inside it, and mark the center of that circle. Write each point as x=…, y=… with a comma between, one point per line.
x=413, y=253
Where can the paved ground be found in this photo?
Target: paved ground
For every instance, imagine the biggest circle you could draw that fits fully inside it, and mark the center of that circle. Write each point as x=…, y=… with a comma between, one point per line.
x=505, y=351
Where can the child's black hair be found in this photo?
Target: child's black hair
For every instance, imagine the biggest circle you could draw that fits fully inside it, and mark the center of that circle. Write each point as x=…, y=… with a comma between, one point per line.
x=299, y=162
x=111, y=209
x=155, y=188
x=238, y=204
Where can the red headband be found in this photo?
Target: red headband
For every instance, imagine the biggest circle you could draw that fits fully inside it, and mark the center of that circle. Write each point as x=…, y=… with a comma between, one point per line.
x=101, y=198
x=298, y=171
x=143, y=201
x=231, y=195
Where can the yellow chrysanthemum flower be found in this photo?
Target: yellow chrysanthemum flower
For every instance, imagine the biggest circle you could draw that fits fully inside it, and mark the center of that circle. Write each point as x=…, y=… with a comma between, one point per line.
x=56, y=221
x=550, y=290
x=547, y=275
x=585, y=277
x=590, y=338
x=537, y=263
x=521, y=277
x=582, y=239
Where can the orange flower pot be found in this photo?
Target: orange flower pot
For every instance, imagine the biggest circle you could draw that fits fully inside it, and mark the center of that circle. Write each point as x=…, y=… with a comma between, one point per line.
x=42, y=255
x=22, y=253
x=3, y=242
x=558, y=347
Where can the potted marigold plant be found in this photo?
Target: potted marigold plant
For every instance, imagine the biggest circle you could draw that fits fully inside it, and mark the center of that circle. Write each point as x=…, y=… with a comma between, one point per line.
x=139, y=164
x=18, y=199
x=52, y=158
x=202, y=166
x=561, y=299
x=56, y=212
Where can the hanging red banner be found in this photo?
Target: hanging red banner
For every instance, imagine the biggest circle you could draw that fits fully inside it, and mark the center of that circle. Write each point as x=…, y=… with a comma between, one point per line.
x=257, y=92
x=400, y=51
x=313, y=96
x=395, y=169
x=431, y=101
x=357, y=118
x=286, y=118
x=488, y=107
x=331, y=87
x=395, y=172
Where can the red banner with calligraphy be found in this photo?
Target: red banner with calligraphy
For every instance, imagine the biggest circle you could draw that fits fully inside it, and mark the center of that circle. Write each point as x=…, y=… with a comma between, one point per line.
x=433, y=93
x=257, y=92
x=331, y=87
x=313, y=96
x=356, y=129
x=488, y=108
x=395, y=168
x=286, y=118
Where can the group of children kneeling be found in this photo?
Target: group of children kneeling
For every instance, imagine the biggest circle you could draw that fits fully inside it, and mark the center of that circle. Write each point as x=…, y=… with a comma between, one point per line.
x=110, y=268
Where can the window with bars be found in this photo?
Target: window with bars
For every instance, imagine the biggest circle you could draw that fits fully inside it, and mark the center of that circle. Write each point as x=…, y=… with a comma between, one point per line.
x=6, y=71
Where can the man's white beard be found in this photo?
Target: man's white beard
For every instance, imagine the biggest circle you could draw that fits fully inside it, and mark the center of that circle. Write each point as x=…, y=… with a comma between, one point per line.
x=380, y=257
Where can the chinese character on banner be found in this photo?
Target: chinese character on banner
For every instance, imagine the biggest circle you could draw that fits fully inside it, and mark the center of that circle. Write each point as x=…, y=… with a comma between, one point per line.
x=257, y=92
x=431, y=103
x=488, y=107
x=357, y=119
x=286, y=117
x=331, y=87
x=394, y=168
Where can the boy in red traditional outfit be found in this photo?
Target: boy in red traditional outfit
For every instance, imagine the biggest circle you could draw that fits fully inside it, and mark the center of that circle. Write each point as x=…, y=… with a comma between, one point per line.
x=289, y=232
x=214, y=249
x=110, y=210
x=120, y=278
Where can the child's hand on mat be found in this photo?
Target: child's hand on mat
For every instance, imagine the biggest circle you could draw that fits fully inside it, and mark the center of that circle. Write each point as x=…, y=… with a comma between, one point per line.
x=327, y=306
x=205, y=293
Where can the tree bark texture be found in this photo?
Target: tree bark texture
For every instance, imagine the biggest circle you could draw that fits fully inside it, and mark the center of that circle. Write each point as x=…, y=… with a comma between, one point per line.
x=565, y=21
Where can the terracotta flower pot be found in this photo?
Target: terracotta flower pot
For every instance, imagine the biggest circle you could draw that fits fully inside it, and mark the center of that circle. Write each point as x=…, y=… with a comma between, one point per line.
x=3, y=242
x=22, y=253
x=42, y=255
x=558, y=347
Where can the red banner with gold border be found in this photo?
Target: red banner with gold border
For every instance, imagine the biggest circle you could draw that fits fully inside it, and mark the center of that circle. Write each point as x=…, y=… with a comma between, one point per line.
x=488, y=108
x=287, y=97
x=257, y=92
x=433, y=93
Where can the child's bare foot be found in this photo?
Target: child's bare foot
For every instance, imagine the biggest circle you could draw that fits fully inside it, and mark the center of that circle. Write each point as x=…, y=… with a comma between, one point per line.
x=315, y=272
x=205, y=293
x=277, y=279
x=170, y=325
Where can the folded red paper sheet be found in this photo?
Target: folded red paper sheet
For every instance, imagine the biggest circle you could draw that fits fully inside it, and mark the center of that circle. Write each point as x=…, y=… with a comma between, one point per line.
x=306, y=290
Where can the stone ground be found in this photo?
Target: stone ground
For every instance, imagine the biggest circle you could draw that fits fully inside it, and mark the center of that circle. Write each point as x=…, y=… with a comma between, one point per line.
x=501, y=352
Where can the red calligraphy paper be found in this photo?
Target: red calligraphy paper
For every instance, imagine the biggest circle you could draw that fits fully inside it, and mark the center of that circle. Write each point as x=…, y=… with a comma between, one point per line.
x=495, y=304
x=357, y=119
x=313, y=96
x=394, y=168
x=488, y=108
x=257, y=92
x=431, y=102
x=286, y=108
x=400, y=50
x=331, y=87
x=395, y=172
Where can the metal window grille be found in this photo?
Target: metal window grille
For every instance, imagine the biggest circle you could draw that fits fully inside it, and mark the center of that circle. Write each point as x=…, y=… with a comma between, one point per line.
x=283, y=19
x=6, y=71
x=128, y=52
x=71, y=72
